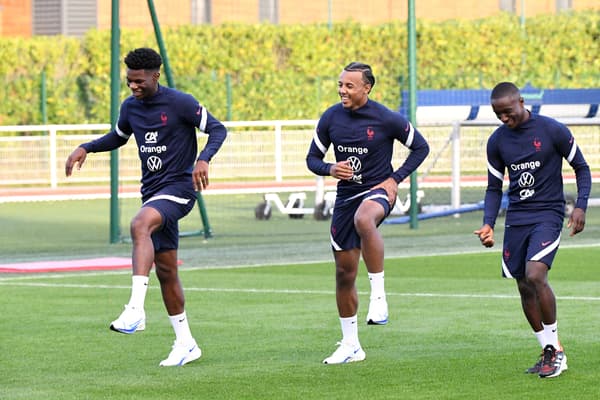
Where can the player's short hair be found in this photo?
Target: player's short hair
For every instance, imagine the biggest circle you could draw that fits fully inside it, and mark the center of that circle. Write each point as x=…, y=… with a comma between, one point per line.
x=367, y=73
x=505, y=89
x=143, y=58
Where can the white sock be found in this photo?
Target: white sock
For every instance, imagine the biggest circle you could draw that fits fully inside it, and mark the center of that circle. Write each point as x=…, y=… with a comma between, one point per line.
x=181, y=327
x=350, y=330
x=551, y=334
x=541, y=337
x=139, y=287
x=377, y=285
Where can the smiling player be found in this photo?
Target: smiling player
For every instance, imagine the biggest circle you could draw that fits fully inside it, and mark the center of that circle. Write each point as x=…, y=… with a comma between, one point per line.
x=531, y=148
x=163, y=122
x=362, y=133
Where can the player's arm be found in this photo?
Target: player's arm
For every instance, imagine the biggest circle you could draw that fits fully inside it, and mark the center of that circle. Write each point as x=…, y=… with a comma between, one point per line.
x=317, y=150
x=217, y=133
x=418, y=146
x=197, y=115
x=110, y=141
x=486, y=235
x=572, y=153
x=493, y=194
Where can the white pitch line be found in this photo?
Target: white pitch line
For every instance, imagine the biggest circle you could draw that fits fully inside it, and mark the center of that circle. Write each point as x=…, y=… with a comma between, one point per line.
x=291, y=291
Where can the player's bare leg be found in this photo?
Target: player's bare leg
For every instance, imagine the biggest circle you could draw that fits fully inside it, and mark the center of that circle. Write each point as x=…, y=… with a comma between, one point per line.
x=133, y=318
x=346, y=267
x=368, y=215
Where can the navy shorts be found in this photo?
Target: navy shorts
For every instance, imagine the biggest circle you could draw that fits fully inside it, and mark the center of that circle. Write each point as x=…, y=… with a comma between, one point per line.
x=536, y=242
x=343, y=232
x=172, y=204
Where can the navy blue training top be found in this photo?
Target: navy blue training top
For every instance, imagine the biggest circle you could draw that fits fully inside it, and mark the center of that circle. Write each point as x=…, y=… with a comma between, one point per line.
x=533, y=153
x=365, y=137
x=164, y=126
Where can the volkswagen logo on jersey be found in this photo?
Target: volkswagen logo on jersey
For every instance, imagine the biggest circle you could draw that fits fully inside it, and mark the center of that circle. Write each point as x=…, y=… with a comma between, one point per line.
x=526, y=180
x=154, y=163
x=356, y=167
x=355, y=163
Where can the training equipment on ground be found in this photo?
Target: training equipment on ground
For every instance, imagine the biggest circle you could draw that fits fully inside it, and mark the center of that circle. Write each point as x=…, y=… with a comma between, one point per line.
x=294, y=207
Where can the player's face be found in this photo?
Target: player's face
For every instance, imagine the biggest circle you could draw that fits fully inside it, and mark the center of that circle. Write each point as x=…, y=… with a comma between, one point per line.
x=352, y=90
x=510, y=110
x=142, y=83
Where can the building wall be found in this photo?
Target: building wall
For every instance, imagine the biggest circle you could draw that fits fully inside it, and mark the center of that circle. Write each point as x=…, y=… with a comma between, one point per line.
x=16, y=15
x=135, y=13
x=15, y=18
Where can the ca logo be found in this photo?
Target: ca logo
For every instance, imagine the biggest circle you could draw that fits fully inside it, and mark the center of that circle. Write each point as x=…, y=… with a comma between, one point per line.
x=151, y=137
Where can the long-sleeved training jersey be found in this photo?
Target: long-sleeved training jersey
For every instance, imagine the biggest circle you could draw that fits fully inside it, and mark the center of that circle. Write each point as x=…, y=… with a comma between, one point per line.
x=164, y=127
x=365, y=137
x=532, y=153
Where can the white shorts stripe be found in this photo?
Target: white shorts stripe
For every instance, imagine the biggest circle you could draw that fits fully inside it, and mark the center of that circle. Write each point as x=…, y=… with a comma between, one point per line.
x=169, y=197
x=506, y=271
x=549, y=249
x=334, y=244
x=376, y=196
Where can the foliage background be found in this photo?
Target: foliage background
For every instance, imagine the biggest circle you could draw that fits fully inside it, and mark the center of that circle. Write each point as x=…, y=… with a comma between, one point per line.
x=265, y=72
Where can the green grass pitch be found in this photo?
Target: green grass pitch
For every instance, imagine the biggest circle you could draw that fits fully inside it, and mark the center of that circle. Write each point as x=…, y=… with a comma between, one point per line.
x=260, y=298
x=456, y=331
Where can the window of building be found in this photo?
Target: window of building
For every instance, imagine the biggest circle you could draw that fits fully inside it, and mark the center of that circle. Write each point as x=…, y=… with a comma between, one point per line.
x=508, y=6
x=201, y=12
x=268, y=11
x=563, y=5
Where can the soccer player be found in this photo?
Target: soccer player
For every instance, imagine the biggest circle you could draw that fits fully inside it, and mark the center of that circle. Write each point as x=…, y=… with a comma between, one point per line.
x=531, y=147
x=164, y=123
x=362, y=133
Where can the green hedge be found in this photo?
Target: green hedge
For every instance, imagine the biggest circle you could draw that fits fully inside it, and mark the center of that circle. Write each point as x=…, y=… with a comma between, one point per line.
x=290, y=71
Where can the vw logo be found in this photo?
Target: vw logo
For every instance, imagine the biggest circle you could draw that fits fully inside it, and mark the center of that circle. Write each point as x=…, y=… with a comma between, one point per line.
x=526, y=180
x=154, y=163
x=354, y=163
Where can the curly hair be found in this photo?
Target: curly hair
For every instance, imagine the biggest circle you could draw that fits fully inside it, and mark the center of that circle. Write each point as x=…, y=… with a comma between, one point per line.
x=143, y=58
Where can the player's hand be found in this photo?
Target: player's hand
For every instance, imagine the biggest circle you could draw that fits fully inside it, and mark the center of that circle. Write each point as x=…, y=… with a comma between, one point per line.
x=391, y=188
x=77, y=157
x=576, y=221
x=341, y=170
x=200, y=175
x=486, y=235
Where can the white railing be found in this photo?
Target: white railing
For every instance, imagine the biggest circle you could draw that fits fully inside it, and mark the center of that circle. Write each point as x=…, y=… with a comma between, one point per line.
x=268, y=152
x=267, y=142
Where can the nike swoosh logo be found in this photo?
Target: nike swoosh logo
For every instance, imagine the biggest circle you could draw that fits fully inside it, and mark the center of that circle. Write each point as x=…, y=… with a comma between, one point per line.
x=546, y=243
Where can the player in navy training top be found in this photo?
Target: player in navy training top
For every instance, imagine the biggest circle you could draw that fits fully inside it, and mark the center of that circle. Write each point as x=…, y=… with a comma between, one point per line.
x=531, y=148
x=163, y=122
x=362, y=133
